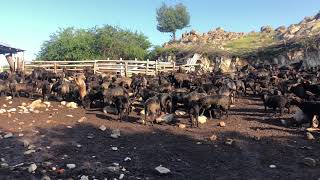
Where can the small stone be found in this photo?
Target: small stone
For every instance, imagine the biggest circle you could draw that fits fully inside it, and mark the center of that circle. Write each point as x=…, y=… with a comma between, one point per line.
x=180, y=113
x=102, y=127
x=162, y=170
x=222, y=124
x=8, y=98
x=63, y=103
x=29, y=152
x=72, y=105
x=90, y=136
x=83, y=177
x=32, y=168
x=142, y=112
x=114, y=168
x=20, y=135
x=309, y=162
x=79, y=145
x=71, y=166
x=4, y=165
x=182, y=126
x=121, y=176
x=10, y=102
x=229, y=141
x=45, y=177
x=82, y=119
x=8, y=135
x=202, y=119
x=69, y=115
x=4, y=105
x=115, y=133
x=272, y=166
x=127, y=159
x=213, y=137
x=310, y=136
x=114, y=148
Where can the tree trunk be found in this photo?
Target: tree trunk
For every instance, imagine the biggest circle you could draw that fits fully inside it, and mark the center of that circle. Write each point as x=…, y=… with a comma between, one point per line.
x=174, y=36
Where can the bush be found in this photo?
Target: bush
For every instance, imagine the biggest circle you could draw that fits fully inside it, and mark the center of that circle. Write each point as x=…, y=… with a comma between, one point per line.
x=96, y=43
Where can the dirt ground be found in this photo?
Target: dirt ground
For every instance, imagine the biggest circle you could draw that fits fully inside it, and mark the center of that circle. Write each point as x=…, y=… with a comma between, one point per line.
x=259, y=141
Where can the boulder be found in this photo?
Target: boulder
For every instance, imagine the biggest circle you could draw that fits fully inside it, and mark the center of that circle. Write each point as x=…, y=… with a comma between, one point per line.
x=162, y=170
x=166, y=118
x=202, y=119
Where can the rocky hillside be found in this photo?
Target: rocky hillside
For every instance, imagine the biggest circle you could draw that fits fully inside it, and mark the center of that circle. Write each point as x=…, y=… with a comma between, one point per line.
x=281, y=45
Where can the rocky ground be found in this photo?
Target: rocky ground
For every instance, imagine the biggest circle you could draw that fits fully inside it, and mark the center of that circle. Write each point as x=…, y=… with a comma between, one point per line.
x=57, y=142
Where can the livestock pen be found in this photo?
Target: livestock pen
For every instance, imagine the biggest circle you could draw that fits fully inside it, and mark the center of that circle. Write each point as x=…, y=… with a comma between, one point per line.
x=124, y=67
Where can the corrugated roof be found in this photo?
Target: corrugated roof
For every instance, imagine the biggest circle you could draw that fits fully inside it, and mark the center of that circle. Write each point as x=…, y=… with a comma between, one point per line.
x=5, y=48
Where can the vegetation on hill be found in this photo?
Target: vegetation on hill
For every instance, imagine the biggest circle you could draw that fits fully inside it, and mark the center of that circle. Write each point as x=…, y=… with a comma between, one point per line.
x=95, y=43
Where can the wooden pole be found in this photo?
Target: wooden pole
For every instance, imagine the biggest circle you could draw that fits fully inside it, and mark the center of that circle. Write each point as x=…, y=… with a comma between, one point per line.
x=121, y=66
x=147, y=67
x=55, y=67
x=126, y=69
x=174, y=66
x=95, y=67
x=156, y=67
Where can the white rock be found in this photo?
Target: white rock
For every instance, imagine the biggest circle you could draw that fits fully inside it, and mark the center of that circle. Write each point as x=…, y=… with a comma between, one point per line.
x=8, y=135
x=115, y=133
x=10, y=102
x=71, y=166
x=180, y=113
x=83, y=177
x=8, y=98
x=162, y=170
x=310, y=136
x=222, y=124
x=142, y=112
x=37, y=104
x=121, y=176
x=102, y=127
x=69, y=115
x=82, y=119
x=47, y=103
x=114, y=148
x=165, y=118
x=272, y=166
x=202, y=119
x=63, y=103
x=23, y=104
x=4, y=105
x=32, y=168
x=127, y=159
x=72, y=105
x=12, y=110
x=29, y=152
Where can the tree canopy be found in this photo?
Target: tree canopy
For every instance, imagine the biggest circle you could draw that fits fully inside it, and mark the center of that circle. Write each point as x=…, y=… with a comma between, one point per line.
x=172, y=18
x=95, y=43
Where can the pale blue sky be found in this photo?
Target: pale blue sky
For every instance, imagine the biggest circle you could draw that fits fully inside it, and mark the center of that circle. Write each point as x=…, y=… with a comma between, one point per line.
x=27, y=23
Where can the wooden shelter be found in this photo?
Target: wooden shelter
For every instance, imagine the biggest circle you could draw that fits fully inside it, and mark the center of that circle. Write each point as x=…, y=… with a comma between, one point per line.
x=16, y=62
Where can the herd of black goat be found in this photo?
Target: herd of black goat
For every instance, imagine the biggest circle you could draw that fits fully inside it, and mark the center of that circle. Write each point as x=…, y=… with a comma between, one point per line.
x=196, y=93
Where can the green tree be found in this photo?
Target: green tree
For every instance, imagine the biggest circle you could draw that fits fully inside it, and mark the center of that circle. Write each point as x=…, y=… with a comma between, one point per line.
x=94, y=43
x=172, y=18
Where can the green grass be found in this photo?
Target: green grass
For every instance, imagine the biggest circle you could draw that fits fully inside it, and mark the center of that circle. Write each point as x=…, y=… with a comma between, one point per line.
x=250, y=43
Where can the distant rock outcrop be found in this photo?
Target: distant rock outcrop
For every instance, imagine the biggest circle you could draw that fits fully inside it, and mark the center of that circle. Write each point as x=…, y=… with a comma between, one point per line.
x=217, y=36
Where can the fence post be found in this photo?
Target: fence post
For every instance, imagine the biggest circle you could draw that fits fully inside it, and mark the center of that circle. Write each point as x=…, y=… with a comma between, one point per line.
x=95, y=67
x=147, y=67
x=156, y=67
x=121, y=66
x=55, y=67
x=174, y=66
x=126, y=69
